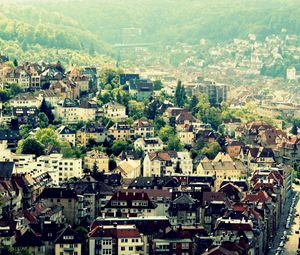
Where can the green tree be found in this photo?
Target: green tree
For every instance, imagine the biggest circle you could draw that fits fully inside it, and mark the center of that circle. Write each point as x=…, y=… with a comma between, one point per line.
x=166, y=133
x=119, y=146
x=158, y=123
x=42, y=121
x=211, y=150
x=24, y=131
x=46, y=108
x=180, y=95
x=157, y=85
x=135, y=109
x=174, y=144
x=31, y=146
x=193, y=105
x=47, y=137
x=294, y=130
x=16, y=62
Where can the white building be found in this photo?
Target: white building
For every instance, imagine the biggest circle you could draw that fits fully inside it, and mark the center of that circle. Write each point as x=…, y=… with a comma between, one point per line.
x=167, y=163
x=291, y=74
x=115, y=111
x=149, y=144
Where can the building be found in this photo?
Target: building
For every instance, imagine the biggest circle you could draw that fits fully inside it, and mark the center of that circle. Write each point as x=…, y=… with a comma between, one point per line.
x=167, y=163
x=115, y=239
x=222, y=167
x=143, y=128
x=121, y=131
x=96, y=158
x=67, y=134
x=217, y=93
x=130, y=203
x=72, y=204
x=92, y=131
x=149, y=144
x=68, y=242
x=115, y=111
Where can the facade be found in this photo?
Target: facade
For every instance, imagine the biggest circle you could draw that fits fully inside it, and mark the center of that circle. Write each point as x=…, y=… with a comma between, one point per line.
x=96, y=158
x=222, y=167
x=149, y=144
x=115, y=111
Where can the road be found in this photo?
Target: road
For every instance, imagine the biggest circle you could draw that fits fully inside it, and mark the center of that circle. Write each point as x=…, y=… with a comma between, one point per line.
x=291, y=245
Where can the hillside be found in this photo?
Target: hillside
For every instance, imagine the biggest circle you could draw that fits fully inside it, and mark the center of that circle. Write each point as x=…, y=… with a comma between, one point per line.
x=170, y=21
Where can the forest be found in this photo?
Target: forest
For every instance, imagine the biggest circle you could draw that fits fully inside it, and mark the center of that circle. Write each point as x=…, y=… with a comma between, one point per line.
x=82, y=29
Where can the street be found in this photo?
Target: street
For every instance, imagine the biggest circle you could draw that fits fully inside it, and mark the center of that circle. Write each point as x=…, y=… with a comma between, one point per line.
x=291, y=245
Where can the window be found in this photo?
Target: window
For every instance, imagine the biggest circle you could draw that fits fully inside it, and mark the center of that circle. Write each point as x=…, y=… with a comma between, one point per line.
x=130, y=248
x=122, y=248
x=184, y=245
x=61, y=245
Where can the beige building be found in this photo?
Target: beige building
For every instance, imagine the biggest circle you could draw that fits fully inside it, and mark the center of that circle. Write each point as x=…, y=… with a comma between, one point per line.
x=149, y=144
x=115, y=111
x=66, y=134
x=129, y=168
x=70, y=112
x=222, y=167
x=98, y=158
x=120, y=239
x=91, y=131
x=25, y=100
x=68, y=242
x=167, y=163
x=121, y=131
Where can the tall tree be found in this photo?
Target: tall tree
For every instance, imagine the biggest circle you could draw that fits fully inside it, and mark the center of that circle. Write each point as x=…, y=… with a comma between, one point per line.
x=45, y=108
x=180, y=95
x=294, y=129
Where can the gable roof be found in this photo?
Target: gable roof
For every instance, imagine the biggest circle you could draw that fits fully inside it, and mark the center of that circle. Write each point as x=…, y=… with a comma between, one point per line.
x=72, y=236
x=29, y=239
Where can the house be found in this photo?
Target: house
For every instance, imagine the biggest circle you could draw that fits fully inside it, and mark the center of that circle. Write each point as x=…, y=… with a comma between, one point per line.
x=67, y=134
x=66, y=88
x=183, y=119
x=61, y=169
x=175, y=245
x=25, y=100
x=115, y=111
x=115, y=239
x=184, y=210
x=141, y=89
x=259, y=157
x=92, y=131
x=96, y=195
x=10, y=138
x=156, y=183
x=129, y=168
x=51, y=97
x=186, y=135
x=222, y=167
x=125, y=77
x=234, y=148
x=166, y=163
x=130, y=204
x=68, y=241
x=143, y=128
x=72, y=204
x=26, y=115
x=69, y=111
x=96, y=159
x=121, y=131
x=31, y=242
x=149, y=144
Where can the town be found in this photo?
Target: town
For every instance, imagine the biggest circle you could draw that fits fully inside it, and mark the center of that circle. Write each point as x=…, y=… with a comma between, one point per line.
x=200, y=156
